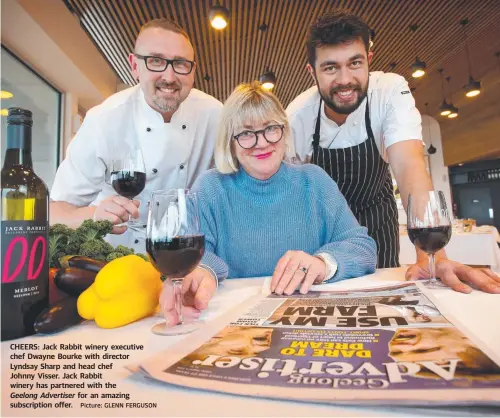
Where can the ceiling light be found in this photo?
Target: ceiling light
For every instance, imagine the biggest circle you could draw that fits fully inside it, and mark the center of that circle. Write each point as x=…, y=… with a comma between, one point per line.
x=418, y=67
x=445, y=108
x=219, y=16
x=432, y=149
x=473, y=87
x=4, y=112
x=372, y=38
x=268, y=80
x=6, y=94
x=454, y=112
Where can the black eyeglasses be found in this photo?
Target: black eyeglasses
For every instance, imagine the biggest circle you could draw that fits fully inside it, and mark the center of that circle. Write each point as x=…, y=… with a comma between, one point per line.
x=248, y=139
x=158, y=64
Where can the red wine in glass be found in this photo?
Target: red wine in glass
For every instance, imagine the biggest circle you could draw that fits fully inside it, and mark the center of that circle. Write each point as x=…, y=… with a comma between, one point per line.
x=175, y=245
x=432, y=239
x=178, y=257
x=429, y=226
x=128, y=184
x=128, y=177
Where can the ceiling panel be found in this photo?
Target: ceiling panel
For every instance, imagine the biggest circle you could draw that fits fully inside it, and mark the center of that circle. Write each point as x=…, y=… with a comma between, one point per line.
x=242, y=51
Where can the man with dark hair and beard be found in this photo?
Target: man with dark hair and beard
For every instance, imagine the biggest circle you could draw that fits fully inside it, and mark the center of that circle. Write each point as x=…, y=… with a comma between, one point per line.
x=355, y=124
x=172, y=125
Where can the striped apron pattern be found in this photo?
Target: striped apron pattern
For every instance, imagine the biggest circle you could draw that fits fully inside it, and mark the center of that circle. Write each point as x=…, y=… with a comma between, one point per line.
x=364, y=179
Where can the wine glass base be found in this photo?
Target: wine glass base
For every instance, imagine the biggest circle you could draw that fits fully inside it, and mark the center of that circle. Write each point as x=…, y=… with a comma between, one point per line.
x=435, y=283
x=136, y=225
x=133, y=224
x=180, y=329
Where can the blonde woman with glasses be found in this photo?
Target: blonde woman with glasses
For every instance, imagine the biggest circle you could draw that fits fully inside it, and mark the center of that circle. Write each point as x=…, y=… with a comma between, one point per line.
x=263, y=216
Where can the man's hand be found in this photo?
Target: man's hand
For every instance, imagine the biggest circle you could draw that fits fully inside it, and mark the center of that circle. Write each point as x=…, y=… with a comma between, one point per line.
x=117, y=210
x=297, y=269
x=198, y=287
x=456, y=276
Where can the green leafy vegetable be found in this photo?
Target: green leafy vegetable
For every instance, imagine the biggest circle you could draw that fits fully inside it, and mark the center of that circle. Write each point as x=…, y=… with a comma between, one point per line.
x=86, y=240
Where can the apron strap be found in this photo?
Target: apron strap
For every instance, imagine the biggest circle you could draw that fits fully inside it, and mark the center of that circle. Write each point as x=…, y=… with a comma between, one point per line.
x=368, y=122
x=317, y=129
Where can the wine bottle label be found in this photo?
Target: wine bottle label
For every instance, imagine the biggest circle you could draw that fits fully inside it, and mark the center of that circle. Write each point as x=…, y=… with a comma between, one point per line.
x=24, y=253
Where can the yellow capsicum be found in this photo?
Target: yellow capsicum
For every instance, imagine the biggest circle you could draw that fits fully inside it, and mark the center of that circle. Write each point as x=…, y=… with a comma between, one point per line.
x=125, y=290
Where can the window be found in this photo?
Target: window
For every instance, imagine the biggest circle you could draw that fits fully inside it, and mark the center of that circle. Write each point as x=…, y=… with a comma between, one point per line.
x=32, y=92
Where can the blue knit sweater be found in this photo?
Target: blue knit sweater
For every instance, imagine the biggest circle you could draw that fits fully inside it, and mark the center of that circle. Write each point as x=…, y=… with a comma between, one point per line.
x=250, y=224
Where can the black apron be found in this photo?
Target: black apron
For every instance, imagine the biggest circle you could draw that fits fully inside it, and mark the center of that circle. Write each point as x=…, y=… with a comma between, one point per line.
x=365, y=181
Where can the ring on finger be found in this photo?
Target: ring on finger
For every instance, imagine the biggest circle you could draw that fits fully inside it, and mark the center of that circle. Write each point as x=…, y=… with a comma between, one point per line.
x=303, y=269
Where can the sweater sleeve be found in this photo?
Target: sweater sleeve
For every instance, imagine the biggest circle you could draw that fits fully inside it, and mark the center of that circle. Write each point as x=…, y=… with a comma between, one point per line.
x=347, y=241
x=208, y=227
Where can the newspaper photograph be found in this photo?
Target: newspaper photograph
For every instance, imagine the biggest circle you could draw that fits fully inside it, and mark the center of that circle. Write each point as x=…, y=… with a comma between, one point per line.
x=387, y=344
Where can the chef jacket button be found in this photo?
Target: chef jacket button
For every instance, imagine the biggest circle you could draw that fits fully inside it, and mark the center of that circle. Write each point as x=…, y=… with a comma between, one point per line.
x=183, y=126
x=144, y=226
x=136, y=241
x=148, y=129
x=355, y=122
x=155, y=170
x=181, y=166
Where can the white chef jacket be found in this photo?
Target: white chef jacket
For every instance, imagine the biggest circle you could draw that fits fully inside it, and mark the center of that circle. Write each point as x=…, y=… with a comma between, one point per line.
x=174, y=153
x=393, y=115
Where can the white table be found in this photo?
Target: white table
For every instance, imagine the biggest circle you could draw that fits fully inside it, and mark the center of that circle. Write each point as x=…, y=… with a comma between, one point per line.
x=473, y=248
x=178, y=401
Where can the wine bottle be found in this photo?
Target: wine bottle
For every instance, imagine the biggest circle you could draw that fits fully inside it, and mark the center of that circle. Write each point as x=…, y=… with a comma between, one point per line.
x=25, y=230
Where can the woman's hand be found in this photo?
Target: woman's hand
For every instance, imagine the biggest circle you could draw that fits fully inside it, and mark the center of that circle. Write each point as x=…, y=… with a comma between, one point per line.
x=198, y=287
x=297, y=269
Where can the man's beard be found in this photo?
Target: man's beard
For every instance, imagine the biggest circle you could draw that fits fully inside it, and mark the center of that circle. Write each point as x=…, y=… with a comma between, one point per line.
x=344, y=108
x=167, y=104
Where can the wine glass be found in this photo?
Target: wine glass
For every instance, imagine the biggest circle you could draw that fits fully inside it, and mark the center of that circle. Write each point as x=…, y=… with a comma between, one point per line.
x=175, y=245
x=128, y=177
x=429, y=226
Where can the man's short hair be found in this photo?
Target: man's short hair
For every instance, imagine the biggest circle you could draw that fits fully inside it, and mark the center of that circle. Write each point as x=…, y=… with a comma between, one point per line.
x=335, y=28
x=165, y=24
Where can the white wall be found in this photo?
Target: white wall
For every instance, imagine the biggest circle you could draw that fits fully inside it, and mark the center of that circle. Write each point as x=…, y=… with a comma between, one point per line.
x=36, y=95
x=431, y=133
x=46, y=36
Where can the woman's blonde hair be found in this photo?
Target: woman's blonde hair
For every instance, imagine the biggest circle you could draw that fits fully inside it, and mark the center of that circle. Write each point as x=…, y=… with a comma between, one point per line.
x=249, y=103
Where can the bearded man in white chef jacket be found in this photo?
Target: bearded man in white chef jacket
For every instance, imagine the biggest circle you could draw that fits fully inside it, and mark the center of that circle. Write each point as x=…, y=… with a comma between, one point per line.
x=171, y=123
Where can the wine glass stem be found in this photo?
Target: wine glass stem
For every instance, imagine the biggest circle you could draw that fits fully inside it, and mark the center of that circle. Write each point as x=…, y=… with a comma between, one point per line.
x=432, y=267
x=178, y=299
x=132, y=223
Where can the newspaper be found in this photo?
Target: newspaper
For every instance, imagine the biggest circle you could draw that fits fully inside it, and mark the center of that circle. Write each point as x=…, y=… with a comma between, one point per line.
x=380, y=345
